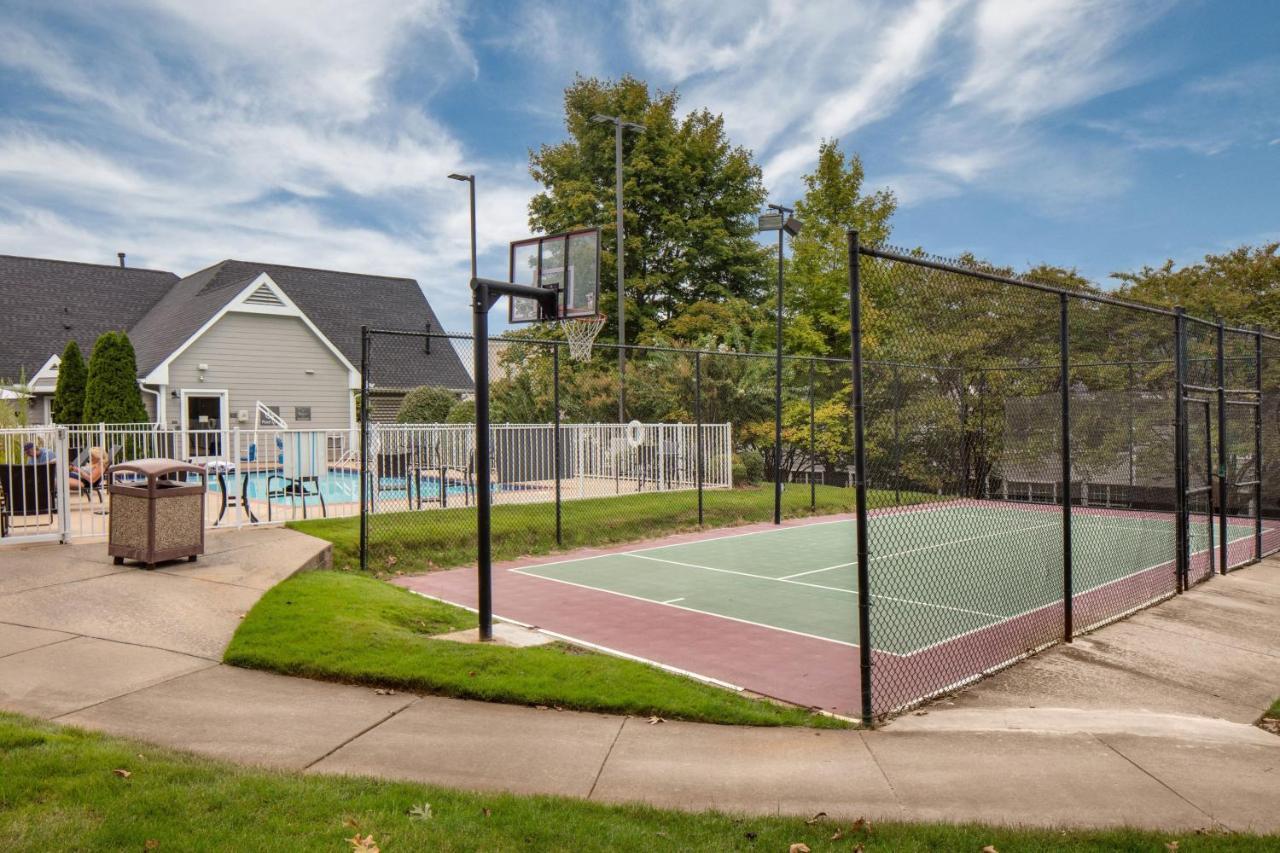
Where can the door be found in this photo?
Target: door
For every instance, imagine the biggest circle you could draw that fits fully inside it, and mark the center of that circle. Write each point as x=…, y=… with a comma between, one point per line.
x=204, y=418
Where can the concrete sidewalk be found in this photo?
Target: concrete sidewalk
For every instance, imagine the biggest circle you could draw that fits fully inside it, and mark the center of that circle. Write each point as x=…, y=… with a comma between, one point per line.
x=1096, y=734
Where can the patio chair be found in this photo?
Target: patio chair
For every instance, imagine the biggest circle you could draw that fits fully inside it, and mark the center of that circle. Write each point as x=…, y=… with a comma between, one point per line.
x=4, y=514
x=303, y=458
x=29, y=489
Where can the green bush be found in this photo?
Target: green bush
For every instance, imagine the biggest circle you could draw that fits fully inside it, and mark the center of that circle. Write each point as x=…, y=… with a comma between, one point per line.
x=426, y=405
x=68, y=396
x=463, y=412
x=111, y=393
x=750, y=465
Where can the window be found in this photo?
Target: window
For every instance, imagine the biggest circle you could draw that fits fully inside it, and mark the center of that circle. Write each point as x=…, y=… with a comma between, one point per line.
x=302, y=413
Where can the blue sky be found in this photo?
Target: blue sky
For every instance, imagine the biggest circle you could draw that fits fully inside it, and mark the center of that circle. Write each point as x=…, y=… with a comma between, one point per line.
x=1099, y=135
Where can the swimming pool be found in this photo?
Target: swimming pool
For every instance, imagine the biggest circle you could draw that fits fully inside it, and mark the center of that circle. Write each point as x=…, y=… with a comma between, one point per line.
x=342, y=486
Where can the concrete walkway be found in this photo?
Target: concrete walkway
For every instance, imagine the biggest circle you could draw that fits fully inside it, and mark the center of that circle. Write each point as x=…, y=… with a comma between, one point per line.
x=1143, y=723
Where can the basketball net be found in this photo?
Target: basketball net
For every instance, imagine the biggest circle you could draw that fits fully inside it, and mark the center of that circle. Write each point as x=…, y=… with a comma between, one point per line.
x=581, y=333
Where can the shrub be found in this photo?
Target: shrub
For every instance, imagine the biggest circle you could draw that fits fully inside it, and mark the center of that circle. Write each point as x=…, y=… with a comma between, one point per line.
x=463, y=412
x=68, y=396
x=111, y=393
x=425, y=405
x=752, y=468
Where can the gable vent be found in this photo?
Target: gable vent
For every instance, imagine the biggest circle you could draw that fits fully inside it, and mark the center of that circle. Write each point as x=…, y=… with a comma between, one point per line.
x=264, y=295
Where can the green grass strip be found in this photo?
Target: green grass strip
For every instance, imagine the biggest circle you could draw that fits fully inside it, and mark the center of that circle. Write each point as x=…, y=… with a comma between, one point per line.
x=59, y=791
x=443, y=538
x=355, y=629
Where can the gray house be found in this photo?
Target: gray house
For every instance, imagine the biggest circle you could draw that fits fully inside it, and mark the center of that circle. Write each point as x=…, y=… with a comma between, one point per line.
x=217, y=348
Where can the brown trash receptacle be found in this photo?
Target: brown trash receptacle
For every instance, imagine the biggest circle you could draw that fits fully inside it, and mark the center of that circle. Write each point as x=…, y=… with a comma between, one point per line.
x=157, y=514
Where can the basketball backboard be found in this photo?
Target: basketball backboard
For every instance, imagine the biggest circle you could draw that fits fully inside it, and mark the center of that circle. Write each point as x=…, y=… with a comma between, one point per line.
x=569, y=263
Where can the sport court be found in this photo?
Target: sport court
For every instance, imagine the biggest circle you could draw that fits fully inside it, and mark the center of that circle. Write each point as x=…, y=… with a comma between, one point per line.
x=938, y=573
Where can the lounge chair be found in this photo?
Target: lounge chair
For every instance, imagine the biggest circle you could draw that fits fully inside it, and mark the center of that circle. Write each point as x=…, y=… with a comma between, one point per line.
x=30, y=489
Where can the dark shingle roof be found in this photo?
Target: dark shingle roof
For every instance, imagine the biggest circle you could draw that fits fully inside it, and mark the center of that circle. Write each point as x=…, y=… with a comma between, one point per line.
x=337, y=302
x=47, y=303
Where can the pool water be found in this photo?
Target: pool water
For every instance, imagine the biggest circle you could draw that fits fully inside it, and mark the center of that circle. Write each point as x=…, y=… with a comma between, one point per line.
x=344, y=487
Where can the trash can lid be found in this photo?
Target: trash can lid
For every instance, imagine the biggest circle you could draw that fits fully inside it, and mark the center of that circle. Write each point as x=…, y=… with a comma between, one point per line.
x=151, y=468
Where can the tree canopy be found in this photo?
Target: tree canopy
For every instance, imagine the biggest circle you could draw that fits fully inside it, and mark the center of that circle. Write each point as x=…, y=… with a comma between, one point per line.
x=690, y=200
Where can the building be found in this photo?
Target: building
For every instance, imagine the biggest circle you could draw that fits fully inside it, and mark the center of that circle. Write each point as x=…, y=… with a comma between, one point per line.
x=224, y=346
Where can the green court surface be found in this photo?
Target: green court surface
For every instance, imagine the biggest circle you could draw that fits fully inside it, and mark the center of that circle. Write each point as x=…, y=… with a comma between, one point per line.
x=935, y=573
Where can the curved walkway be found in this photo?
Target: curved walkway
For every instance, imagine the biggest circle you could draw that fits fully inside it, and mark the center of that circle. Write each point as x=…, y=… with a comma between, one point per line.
x=1144, y=723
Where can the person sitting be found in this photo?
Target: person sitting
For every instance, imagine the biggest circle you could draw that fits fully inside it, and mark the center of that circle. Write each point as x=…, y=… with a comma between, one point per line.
x=38, y=455
x=89, y=476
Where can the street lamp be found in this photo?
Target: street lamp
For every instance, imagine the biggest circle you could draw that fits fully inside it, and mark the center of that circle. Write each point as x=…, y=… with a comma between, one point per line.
x=618, y=125
x=779, y=220
x=471, y=180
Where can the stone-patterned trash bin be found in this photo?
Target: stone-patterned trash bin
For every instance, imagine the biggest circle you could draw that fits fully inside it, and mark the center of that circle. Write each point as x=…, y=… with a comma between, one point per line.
x=157, y=513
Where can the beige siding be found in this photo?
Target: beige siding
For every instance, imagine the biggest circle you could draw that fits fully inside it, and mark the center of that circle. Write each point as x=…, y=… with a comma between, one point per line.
x=266, y=357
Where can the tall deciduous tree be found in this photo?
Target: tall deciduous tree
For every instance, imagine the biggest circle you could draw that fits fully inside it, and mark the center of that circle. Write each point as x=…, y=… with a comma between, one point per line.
x=68, y=396
x=111, y=392
x=690, y=200
x=817, y=282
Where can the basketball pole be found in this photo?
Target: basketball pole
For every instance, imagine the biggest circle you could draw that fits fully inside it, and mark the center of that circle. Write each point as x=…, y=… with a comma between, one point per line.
x=485, y=292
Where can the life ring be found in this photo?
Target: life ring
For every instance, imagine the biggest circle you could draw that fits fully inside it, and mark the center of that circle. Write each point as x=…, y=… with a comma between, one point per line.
x=635, y=434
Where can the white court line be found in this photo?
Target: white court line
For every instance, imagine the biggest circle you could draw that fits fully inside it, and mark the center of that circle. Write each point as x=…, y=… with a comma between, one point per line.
x=815, y=571
x=701, y=612
x=673, y=600
x=820, y=586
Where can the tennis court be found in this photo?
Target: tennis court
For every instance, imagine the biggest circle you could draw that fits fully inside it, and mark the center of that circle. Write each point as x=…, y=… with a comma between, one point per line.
x=803, y=579
x=958, y=588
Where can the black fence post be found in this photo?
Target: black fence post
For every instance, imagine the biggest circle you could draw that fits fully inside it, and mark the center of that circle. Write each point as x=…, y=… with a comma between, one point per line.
x=1182, y=535
x=897, y=450
x=364, y=448
x=813, y=462
x=484, y=499
x=1257, y=443
x=697, y=418
x=860, y=481
x=1132, y=461
x=1222, y=446
x=1068, y=586
x=555, y=455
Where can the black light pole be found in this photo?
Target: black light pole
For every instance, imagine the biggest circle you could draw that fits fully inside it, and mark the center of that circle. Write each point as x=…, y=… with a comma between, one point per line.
x=780, y=220
x=618, y=125
x=471, y=182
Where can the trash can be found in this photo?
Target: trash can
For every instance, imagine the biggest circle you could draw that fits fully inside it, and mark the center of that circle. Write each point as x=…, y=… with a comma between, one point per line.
x=157, y=513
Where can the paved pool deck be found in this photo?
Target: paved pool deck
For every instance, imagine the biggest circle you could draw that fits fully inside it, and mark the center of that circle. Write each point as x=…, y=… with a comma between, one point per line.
x=1147, y=722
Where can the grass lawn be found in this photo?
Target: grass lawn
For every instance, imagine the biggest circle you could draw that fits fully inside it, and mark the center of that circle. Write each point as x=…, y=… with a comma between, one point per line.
x=434, y=539
x=62, y=789
x=352, y=628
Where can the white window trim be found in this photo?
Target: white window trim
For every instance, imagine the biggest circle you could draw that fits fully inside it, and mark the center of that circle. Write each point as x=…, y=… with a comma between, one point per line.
x=159, y=374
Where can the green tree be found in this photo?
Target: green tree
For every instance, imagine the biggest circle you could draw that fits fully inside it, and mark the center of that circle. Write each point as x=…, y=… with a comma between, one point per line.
x=426, y=405
x=68, y=396
x=462, y=412
x=816, y=295
x=690, y=202
x=1241, y=286
x=111, y=391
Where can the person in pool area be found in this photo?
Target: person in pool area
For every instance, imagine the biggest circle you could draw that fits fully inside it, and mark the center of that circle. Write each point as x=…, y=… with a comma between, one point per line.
x=37, y=455
x=89, y=476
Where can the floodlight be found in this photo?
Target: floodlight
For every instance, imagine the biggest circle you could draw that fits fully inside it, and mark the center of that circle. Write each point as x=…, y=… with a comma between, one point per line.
x=600, y=118
x=770, y=221
x=460, y=177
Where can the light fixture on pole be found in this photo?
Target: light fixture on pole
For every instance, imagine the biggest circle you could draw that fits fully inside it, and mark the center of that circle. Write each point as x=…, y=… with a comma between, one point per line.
x=471, y=180
x=779, y=220
x=618, y=125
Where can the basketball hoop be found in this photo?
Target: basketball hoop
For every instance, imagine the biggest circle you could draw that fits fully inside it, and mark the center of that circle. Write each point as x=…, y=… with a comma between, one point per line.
x=581, y=333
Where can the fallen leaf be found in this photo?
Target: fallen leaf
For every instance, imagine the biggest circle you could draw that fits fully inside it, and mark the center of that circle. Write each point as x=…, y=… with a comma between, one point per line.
x=364, y=844
x=486, y=812
x=1171, y=846
x=798, y=847
x=541, y=707
x=858, y=848
x=990, y=848
x=150, y=844
x=654, y=720
x=351, y=823
x=421, y=812
x=750, y=836
x=861, y=825
x=122, y=773
x=384, y=691
x=839, y=834
x=819, y=816
x=391, y=560
x=660, y=834
x=922, y=713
